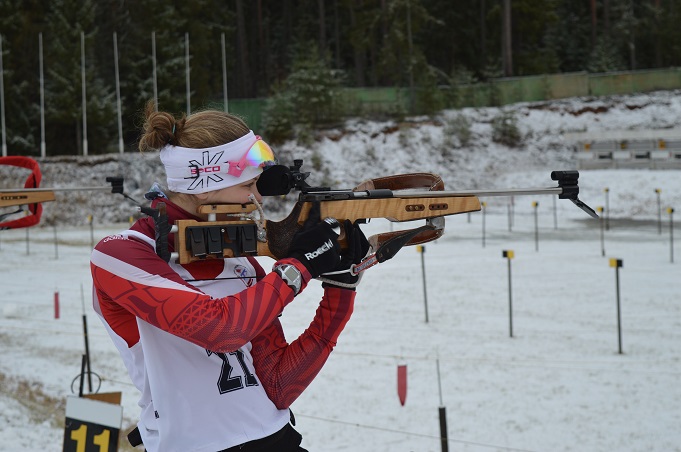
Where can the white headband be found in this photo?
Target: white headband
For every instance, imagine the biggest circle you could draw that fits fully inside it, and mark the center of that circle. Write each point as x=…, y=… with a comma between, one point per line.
x=216, y=169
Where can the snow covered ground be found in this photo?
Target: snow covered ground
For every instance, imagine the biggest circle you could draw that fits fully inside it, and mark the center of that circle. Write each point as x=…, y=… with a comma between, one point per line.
x=559, y=384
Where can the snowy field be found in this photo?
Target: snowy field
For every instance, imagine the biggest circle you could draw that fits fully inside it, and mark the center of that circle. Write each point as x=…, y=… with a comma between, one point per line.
x=559, y=384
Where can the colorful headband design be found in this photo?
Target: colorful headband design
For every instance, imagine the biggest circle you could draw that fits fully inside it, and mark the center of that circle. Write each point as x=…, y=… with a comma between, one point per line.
x=196, y=171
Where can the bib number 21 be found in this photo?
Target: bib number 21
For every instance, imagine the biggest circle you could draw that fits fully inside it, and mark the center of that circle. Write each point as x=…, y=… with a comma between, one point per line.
x=228, y=382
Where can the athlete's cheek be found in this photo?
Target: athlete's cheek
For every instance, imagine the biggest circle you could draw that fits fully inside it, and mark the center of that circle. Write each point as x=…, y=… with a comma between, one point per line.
x=256, y=193
x=258, y=196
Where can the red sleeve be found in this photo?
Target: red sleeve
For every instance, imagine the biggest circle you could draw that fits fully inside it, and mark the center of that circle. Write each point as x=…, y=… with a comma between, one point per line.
x=130, y=279
x=285, y=370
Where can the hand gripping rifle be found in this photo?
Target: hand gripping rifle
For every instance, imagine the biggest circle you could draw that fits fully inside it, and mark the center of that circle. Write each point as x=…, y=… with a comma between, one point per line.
x=241, y=230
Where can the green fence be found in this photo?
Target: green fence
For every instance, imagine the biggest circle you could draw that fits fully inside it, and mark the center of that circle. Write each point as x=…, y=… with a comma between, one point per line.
x=498, y=92
x=250, y=110
x=633, y=82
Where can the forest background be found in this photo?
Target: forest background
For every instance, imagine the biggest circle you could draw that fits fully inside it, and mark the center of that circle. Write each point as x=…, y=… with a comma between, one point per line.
x=297, y=54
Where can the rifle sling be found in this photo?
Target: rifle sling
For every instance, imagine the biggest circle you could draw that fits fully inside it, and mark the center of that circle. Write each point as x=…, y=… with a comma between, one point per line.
x=427, y=181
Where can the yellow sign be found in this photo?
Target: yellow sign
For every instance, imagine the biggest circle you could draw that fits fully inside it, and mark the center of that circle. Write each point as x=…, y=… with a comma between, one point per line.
x=615, y=262
x=91, y=425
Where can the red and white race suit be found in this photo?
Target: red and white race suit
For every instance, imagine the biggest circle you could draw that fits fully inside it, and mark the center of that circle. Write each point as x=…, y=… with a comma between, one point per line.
x=202, y=342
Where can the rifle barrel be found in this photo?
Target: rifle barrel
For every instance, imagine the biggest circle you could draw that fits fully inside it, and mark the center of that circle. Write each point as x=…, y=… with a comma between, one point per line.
x=19, y=190
x=482, y=193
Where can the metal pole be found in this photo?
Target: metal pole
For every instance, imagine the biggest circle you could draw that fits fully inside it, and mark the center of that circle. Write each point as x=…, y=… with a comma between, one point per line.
x=512, y=211
x=671, y=234
x=535, y=204
x=444, y=440
x=607, y=209
x=43, y=146
x=484, y=205
x=659, y=212
x=225, y=99
x=87, y=342
x=92, y=230
x=619, y=313
x=439, y=382
x=617, y=264
x=153, y=68
x=422, y=250
x=510, y=301
x=508, y=210
x=187, y=69
x=411, y=60
x=442, y=413
x=2, y=104
x=82, y=73
x=508, y=254
x=83, y=364
x=555, y=214
x=506, y=42
x=602, y=227
x=56, y=242
x=118, y=95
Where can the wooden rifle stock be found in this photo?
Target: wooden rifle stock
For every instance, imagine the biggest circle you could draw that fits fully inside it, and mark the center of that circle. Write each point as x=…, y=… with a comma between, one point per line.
x=222, y=237
x=21, y=197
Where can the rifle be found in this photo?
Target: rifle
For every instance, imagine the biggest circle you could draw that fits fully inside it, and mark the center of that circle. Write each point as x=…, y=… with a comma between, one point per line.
x=32, y=196
x=21, y=196
x=242, y=230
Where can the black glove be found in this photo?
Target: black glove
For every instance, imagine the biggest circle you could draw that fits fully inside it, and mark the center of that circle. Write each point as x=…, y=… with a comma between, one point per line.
x=316, y=244
x=358, y=247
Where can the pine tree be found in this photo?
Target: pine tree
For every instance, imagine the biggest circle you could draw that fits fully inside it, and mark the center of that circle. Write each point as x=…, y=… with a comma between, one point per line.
x=19, y=26
x=63, y=82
